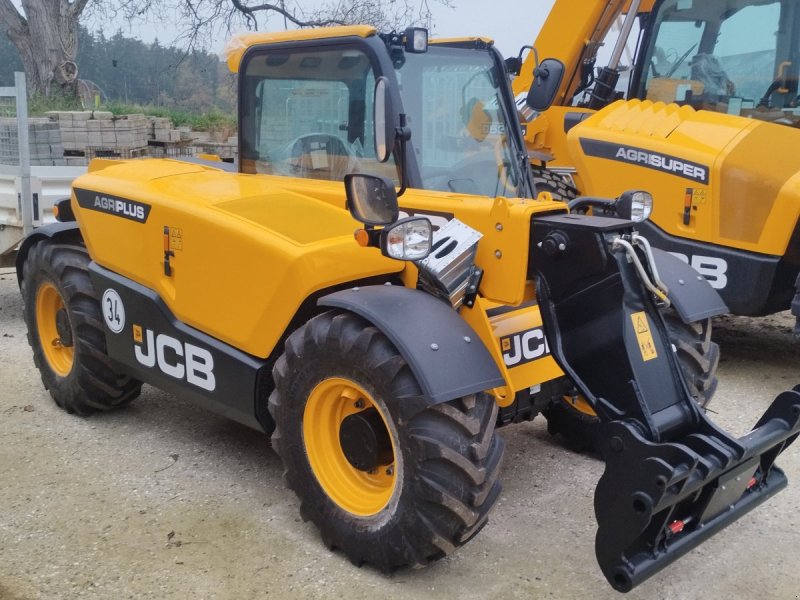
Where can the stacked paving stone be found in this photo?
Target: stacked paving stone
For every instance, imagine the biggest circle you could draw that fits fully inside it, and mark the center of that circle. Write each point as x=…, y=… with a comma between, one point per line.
x=44, y=141
x=87, y=134
x=162, y=131
x=73, y=138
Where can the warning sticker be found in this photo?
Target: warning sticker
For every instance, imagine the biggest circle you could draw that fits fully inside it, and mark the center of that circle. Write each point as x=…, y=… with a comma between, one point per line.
x=642, y=328
x=698, y=196
x=175, y=238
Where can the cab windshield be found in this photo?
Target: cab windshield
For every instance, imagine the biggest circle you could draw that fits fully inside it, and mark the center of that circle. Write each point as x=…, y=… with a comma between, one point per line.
x=733, y=56
x=453, y=101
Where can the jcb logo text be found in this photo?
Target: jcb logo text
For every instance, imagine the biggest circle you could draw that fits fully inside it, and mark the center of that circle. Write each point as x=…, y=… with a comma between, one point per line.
x=175, y=358
x=712, y=268
x=524, y=347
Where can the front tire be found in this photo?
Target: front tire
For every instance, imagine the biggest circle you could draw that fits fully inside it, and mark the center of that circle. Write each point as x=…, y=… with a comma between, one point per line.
x=387, y=477
x=65, y=331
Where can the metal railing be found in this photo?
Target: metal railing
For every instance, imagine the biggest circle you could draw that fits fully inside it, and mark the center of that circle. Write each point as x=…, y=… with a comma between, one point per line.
x=19, y=93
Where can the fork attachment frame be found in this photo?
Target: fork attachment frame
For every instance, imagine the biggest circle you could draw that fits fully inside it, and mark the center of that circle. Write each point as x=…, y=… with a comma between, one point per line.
x=672, y=478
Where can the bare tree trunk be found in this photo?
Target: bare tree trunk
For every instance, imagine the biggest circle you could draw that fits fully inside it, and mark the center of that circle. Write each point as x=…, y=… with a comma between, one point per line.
x=46, y=39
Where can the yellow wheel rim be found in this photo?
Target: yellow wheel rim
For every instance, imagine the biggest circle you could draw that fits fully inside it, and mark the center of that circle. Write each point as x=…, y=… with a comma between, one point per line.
x=48, y=303
x=579, y=403
x=358, y=492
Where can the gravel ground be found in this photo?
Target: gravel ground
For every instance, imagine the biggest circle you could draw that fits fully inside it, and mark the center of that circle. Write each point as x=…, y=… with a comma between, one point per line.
x=164, y=500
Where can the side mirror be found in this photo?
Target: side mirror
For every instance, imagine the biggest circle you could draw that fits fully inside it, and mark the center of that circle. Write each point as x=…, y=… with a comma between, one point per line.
x=546, y=81
x=385, y=131
x=371, y=199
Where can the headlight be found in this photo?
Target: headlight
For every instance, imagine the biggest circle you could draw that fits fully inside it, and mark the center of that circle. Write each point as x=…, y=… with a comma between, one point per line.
x=635, y=205
x=408, y=239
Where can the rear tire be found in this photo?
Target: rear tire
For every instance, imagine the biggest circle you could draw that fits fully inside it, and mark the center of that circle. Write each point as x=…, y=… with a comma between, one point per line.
x=698, y=358
x=433, y=491
x=569, y=416
x=65, y=331
x=546, y=180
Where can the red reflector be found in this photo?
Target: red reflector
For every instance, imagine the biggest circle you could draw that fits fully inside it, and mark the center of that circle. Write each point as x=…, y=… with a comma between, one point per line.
x=752, y=482
x=676, y=527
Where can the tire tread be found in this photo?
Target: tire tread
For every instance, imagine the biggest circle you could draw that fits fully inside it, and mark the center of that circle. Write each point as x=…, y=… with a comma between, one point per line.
x=456, y=457
x=93, y=384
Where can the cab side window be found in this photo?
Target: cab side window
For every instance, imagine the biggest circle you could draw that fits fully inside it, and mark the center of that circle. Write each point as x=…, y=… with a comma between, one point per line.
x=717, y=56
x=308, y=114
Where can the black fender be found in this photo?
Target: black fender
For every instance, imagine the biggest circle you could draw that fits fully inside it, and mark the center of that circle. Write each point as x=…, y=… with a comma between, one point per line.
x=54, y=231
x=690, y=294
x=445, y=354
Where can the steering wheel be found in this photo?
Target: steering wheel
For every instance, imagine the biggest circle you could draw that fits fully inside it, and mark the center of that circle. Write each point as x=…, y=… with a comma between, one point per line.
x=464, y=177
x=300, y=155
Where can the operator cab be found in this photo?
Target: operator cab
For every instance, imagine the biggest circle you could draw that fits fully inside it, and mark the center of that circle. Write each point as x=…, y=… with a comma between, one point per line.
x=739, y=57
x=308, y=105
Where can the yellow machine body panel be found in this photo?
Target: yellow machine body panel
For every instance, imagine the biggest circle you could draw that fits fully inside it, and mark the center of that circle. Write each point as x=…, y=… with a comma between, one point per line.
x=289, y=238
x=505, y=224
x=737, y=177
x=547, y=134
x=273, y=249
x=515, y=338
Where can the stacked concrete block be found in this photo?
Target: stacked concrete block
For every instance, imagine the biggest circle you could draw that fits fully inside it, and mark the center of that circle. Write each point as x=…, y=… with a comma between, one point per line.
x=201, y=136
x=224, y=150
x=167, y=136
x=76, y=161
x=81, y=130
x=161, y=130
x=73, y=129
x=44, y=140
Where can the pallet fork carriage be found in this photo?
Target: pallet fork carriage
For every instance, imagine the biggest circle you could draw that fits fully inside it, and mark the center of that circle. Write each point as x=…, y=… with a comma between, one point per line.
x=672, y=478
x=382, y=367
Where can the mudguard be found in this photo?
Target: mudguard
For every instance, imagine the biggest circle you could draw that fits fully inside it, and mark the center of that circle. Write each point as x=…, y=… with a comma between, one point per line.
x=53, y=230
x=444, y=353
x=672, y=477
x=690, y=294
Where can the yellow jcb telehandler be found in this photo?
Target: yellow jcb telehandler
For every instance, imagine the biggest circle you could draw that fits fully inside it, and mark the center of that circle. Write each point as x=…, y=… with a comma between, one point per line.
x=381, y=365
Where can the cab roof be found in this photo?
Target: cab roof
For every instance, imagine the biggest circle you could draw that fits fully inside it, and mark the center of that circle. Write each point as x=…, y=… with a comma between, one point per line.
x=238, y=45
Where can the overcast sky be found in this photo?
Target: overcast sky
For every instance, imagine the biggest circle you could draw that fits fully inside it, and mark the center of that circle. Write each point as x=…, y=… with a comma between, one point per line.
x=511, y=23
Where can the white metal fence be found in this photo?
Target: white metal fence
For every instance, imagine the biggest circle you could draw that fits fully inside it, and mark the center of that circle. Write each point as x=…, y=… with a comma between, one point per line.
x=27, y=194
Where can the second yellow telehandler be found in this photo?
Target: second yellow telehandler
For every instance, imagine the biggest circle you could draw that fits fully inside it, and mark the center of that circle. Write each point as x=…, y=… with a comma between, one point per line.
x=698, y=103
